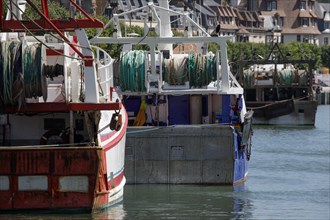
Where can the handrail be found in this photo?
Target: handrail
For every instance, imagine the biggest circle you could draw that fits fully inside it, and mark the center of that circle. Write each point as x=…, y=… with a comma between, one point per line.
x=104, y=70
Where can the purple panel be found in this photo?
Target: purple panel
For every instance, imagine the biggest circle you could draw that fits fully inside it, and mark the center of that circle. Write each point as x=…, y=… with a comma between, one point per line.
x=178, y=108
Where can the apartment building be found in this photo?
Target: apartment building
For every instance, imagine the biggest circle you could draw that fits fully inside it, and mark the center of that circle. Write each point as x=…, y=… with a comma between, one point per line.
x=245, y=26
x=88, y=5
x=323, y=12
x=288, y=20
x=260, y=21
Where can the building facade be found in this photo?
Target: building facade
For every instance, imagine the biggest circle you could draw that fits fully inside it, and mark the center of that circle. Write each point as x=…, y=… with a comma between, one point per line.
x=323, y=12
x=259, y=21
x=288, y=20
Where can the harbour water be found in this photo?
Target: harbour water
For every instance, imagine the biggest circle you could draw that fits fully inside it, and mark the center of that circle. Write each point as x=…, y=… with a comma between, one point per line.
x=289, y=178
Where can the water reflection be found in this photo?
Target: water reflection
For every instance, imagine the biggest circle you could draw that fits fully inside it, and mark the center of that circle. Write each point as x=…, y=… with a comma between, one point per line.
x=243, y=205
x=186, y=202
x=166, y=202
x=115, y=212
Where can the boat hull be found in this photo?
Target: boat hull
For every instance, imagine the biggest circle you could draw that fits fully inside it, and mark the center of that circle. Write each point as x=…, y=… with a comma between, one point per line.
x=49, y=178
x=65, y=176
x=185, y=154
x=298, y=113
x=54, y=178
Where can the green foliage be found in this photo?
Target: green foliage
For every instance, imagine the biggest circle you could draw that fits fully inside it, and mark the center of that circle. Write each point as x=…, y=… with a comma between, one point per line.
x=305, y=51
x=213, y=47
x=177, y=33
x=325, y=56
x=56, y=11
x=113, y=50
x=297, y=50
x=236, y=51
x=302, y=50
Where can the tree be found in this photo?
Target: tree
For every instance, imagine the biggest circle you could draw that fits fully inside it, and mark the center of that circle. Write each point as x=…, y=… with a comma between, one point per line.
x=56, y=11
x=325, y=56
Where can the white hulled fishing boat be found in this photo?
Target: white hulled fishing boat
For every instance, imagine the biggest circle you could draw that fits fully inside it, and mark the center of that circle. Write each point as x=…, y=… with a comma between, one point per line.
x=187, y=116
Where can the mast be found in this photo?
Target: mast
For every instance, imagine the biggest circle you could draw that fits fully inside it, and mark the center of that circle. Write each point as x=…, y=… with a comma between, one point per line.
x=165, y=26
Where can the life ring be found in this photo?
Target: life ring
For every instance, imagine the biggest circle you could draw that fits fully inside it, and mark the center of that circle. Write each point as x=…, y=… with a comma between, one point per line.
x=53, y=137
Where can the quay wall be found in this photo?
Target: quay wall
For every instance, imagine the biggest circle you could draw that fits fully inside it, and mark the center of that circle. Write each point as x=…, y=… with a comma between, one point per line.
x=180, y=155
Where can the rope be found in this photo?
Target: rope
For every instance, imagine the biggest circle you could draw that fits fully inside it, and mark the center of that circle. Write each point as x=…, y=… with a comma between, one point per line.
x=11, y=71
x=132, y=71
x=175, y=70
x=199, y=69
x=33, y=21
x=285, y=77
x=52, y=71
x=282, y=101
x=32, y=71
x=48, y=47
x=14, y=85
x=202, y=69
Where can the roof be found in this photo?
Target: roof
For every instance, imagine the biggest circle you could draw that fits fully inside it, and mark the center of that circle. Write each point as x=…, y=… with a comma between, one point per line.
x=268, y=22
x=211, y=3
x=313, y=14
x=242, y=31
x=281, y=13
x=327, y=16
x=320, y=8
x=249, y=16
x=245, y=16
x=224, y=12
x=203, y=10
x=232, y=12
x=326, y=31
x=304, y=14
x=238, y=14
x=256, y=16
x=301, y=30
x=228, y=27
x=216, y=10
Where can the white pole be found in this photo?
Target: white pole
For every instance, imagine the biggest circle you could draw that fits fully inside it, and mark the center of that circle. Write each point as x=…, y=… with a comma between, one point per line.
x=165, y=28
x=224, y=67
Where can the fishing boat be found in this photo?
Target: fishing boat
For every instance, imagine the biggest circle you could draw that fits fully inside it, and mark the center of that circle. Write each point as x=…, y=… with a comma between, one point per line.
x=279, y=90
x=63, y=126
x=187, y=117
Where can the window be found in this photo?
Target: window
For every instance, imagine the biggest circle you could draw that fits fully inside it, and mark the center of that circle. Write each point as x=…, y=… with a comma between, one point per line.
x=271, y=5
x=281, y=22
x=311, y=5
x=305, y=39
x=269, y=39
x=303, y=5
x=326, y=41
x=327, y=25
x=298, y=38
x=313, y=22
x=304, y=22
x=249, y=5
